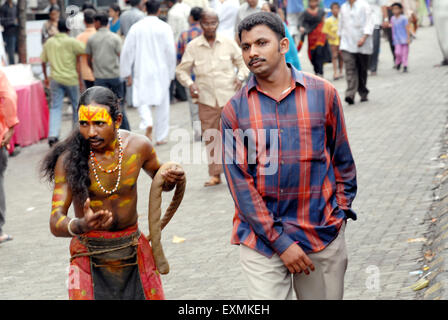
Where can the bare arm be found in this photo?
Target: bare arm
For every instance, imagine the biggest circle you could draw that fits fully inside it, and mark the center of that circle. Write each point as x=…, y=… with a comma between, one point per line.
x=151, y=165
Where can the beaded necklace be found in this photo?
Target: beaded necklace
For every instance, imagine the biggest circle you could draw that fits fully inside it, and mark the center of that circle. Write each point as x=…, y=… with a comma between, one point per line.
x=94, y=162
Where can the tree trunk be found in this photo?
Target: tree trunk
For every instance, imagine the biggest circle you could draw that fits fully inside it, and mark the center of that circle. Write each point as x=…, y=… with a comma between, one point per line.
x=21, y=6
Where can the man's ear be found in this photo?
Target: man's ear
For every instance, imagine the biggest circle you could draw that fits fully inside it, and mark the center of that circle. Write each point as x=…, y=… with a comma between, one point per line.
x=118, y=121
x=284, y=46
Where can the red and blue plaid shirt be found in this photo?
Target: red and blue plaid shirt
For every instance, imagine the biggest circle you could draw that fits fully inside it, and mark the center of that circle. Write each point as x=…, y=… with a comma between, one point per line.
x=288, y=165
x=185, y=37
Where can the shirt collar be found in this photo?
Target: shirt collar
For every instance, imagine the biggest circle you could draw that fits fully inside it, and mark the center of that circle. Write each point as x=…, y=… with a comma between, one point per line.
x=297, y=77
x=204, y=42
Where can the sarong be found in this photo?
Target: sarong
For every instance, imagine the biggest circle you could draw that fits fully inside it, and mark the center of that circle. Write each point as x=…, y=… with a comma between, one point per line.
x=118, y=265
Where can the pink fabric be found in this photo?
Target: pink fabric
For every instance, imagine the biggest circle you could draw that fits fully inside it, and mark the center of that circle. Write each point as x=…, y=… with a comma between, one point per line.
x=33, y=114
x=401, y=54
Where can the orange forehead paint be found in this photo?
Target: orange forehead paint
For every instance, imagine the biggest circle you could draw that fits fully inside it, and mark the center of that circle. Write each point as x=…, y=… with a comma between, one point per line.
x=94, y=113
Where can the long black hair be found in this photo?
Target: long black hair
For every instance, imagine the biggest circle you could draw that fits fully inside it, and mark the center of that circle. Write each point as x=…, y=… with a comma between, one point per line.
x=77, y=149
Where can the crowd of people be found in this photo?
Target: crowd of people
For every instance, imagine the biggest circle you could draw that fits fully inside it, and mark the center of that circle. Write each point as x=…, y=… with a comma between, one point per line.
x=239, y=67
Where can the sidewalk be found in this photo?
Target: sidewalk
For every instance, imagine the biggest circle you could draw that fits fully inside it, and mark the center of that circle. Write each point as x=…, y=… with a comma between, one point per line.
x=393, y=137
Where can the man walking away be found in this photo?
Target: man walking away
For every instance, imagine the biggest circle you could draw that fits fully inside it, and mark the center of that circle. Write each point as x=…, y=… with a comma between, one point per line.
x=103, y=55
x=149, y=54
x=61, y=51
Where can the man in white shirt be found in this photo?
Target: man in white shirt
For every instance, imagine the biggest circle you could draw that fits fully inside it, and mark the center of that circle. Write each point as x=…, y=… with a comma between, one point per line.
x=149, y=55
x=227, y=11
x=356, y=29
x=246, y=9
x=178, y=17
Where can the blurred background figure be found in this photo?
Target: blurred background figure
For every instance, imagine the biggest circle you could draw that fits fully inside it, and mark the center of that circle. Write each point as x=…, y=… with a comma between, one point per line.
x=86, y=72
x=114, y=18
x=50, y=28
x=9, y=19
x=331, y=30
x=292, y=56
x=227, y=11
x=311, y=23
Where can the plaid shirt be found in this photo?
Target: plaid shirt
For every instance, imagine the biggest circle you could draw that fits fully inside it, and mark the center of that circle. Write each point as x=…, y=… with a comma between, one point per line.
x=185, y=37
x=304, y=193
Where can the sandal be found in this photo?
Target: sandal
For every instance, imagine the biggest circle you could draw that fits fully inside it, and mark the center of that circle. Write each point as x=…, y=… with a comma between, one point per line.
x=8, y=238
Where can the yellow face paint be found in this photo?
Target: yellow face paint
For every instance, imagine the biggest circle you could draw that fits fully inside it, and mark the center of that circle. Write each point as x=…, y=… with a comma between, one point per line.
x=94, y=113
x=60, y=220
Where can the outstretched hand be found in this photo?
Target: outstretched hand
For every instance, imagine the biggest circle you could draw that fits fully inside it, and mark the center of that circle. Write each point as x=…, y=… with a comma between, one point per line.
x=100, y=220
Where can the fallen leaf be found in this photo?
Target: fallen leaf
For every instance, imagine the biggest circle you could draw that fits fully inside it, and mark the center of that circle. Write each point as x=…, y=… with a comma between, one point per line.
x=177, y=239
x=420, y=284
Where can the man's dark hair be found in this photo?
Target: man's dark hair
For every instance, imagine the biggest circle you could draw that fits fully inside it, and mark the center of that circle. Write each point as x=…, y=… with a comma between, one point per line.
x=102, y=17
x=398, y=4
x=77, y=149
x=334, y=4
x=196, y=13
x=116, y=8
x=62, y=25
x=269, y=19
x=88, y=5
x=134, y=3
x=89, y=15
x=272, y=7
x=152, y=6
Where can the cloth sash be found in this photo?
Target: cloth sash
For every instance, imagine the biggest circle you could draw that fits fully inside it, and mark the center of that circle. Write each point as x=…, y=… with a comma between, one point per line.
x=114, y=266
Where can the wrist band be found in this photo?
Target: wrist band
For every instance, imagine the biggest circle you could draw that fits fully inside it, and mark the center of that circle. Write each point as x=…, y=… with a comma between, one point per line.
x=69, y=229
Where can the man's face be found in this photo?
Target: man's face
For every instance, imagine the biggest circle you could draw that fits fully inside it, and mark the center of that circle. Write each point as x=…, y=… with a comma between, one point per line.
x=396, y=11
x=262, y=51
x=96, y=125
x=209, y=24
x=252, y=3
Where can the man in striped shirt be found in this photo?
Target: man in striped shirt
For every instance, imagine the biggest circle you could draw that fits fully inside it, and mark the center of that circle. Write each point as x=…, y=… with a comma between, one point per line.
x=290, y=171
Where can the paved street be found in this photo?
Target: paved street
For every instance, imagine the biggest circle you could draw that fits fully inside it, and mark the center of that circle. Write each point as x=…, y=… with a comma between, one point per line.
x=393, y=137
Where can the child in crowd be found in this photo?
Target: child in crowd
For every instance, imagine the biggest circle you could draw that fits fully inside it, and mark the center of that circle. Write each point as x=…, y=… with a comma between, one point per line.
x=331, y=30
x=401, y=36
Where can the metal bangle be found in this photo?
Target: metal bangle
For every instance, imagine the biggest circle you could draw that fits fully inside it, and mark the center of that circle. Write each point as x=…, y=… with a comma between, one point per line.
x=69, y=229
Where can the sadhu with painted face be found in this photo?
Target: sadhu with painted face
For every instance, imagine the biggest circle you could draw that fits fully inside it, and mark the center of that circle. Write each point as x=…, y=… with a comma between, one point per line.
x=96, y=169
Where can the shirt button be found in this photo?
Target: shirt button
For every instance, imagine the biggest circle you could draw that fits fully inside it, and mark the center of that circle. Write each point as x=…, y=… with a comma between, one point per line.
x=282, y=162
x=281, y=190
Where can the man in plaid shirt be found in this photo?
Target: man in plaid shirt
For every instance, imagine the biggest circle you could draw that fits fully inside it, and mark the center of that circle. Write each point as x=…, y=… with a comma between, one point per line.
x=184, y=38
x=290, y=171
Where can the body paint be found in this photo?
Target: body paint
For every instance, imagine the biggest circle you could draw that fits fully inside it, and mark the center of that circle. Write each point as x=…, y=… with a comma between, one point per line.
x=91, y=113
x=124, y=203
x=59, y=179
x=129, y=182
x=60, y=220
x=96, y=203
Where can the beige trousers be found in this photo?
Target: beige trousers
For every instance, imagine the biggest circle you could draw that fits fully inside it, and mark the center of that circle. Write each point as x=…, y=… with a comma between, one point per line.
x=210, y=119
x=269, y=279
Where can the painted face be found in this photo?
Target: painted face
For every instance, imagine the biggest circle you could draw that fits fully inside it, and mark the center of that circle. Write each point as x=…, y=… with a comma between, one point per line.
x=96, y=125
x=262, y=51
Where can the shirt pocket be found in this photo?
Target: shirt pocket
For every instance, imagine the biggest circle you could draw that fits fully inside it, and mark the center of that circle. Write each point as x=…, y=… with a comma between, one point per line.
x=200, y=67
x=309, y=140
x=225, y=63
